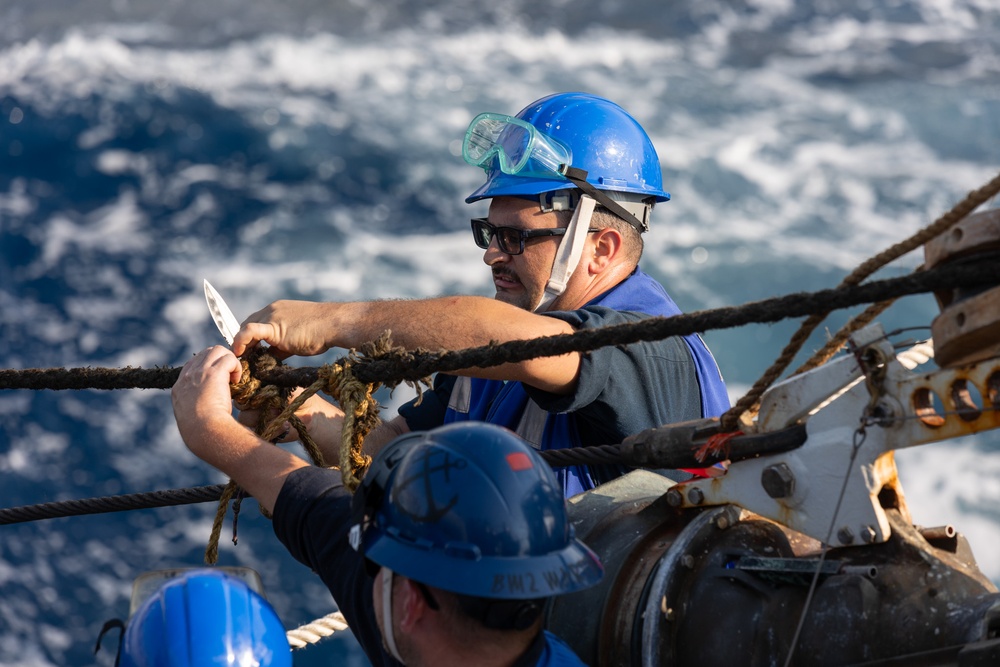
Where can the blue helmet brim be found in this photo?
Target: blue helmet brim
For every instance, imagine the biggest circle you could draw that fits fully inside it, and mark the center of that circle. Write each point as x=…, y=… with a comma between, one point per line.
x=503, y=185
x=573, y=568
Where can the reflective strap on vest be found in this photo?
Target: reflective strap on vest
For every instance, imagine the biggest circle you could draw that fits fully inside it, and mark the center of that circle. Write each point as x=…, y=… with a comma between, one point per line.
x=461, y=395
x=531, y=425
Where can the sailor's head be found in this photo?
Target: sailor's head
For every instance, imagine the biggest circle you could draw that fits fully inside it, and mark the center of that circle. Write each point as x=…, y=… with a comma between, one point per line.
x=467, y=520
x=539, y=166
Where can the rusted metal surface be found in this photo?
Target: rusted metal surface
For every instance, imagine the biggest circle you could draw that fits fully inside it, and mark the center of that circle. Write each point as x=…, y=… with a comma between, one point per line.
x=949, y=403
x=723, y=586
x=847, y=459
x=968, y=328
x=630, y=524
x=977, y=233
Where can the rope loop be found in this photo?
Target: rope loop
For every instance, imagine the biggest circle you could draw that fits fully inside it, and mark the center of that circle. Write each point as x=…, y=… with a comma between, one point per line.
x=361, y=410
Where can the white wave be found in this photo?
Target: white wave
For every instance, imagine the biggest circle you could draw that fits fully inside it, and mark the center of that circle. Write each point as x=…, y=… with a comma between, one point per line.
x=784, y=137
x=117, y=227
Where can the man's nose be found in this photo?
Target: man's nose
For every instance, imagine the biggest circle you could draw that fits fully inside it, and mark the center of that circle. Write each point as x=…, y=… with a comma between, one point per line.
x=493, y=253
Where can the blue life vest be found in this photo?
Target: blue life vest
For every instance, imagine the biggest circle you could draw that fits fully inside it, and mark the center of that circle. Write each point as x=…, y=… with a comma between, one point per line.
x=508, y=404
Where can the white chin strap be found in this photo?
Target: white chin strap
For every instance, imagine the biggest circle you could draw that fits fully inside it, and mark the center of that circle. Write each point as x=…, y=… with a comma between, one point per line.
x=387, y=632
x=569, y=252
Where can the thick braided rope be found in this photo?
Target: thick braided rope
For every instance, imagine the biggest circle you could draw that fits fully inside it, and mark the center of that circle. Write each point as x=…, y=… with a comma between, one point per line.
x=270, y=430
x=361, y=410
x=749, y=403
x=414, y=366
x=251, y=394
x=360, y=417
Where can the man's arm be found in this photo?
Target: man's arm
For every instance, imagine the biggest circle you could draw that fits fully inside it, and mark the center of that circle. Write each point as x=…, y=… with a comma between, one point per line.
x=203, y=410
x=446, y=323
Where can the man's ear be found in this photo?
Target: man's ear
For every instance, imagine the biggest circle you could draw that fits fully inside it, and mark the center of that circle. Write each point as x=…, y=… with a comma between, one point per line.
x=608, y=244
x=411, y=603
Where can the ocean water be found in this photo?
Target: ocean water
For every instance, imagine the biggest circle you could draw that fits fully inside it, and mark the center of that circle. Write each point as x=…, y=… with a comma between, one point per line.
x=311, y=150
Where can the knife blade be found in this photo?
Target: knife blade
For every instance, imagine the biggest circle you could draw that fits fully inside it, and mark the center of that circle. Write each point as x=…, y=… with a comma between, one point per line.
x=223, y=316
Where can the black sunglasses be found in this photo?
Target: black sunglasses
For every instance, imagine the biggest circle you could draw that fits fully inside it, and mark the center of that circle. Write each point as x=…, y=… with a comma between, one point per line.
x=510, y=239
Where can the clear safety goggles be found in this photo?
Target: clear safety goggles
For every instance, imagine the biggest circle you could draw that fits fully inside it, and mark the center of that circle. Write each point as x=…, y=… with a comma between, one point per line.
x=514, y=143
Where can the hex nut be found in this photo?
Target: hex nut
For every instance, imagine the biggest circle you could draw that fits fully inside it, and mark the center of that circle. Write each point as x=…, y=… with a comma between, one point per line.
x=778, y=480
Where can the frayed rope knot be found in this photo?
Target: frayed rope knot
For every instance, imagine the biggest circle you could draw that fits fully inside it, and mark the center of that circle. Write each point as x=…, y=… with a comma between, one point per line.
x=361, y=412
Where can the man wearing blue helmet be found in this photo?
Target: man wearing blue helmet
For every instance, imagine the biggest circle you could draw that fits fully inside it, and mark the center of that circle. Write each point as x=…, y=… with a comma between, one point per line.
x=572, y=180
x=446, y=553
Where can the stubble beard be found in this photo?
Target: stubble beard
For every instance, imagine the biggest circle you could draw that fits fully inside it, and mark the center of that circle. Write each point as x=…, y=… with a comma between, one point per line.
x=527, y=299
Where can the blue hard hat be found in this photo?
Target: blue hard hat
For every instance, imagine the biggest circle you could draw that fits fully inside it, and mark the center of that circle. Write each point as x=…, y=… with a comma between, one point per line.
x=602, y=138
x=472, y=509
x=204, y=618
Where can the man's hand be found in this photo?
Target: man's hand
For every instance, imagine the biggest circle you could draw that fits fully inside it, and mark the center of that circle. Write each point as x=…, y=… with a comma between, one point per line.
x=291, y=327
x=203, y=409
x=201, y=395
x=322, y=419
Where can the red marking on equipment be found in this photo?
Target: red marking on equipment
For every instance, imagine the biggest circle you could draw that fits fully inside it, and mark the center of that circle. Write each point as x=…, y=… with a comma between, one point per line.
x=717, y=446
x=519, y=461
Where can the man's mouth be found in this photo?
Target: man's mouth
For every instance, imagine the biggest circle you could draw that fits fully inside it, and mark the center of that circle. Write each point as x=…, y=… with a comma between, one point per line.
x=505, y=280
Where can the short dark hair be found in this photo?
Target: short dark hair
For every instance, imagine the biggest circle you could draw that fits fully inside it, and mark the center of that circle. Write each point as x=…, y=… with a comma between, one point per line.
x=481, y=621
x=502, y=614
x=602, y=218
x=632, y=239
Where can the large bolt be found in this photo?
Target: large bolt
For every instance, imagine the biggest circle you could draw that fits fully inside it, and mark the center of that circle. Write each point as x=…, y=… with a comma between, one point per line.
x=845, y=535
x=695, y=496
x=867, y=534
x=778, y=480
x=674, y=498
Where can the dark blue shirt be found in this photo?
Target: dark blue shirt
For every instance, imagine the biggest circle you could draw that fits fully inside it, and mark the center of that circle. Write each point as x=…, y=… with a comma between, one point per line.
x=620, y=391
